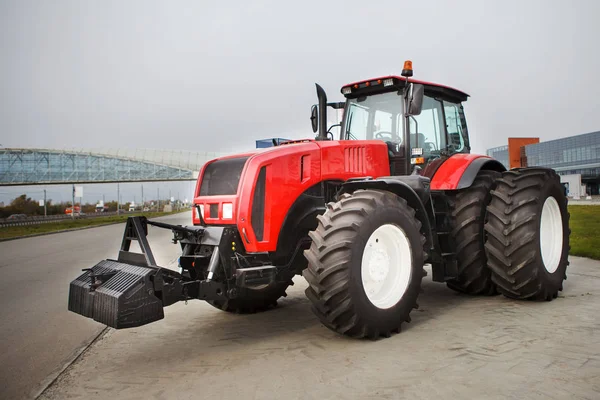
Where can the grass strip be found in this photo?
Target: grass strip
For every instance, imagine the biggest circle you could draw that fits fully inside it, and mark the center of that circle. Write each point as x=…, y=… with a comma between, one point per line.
x=585, y=231
x=52, y=227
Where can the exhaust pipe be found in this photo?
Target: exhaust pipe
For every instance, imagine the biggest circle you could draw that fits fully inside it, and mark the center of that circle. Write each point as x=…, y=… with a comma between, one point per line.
x=322, y=113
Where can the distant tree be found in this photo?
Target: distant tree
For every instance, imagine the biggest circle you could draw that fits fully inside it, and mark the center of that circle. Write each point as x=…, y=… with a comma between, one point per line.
x=5, y=211
x=55, y=209
x=112, y=205
x=22, y=205
x=88, y=208
x=25, y=205
x=18, y=204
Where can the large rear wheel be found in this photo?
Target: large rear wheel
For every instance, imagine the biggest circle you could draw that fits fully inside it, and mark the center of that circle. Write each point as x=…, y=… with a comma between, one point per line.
x=528, y=234
x=467, y=213
x=365, y=264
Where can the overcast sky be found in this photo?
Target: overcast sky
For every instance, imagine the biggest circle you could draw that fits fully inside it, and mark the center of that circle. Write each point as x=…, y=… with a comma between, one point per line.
x=216, y=76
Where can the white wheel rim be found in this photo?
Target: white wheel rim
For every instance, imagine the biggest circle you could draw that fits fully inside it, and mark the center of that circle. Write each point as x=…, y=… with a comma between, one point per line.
x=551, y=234
x=386, y=266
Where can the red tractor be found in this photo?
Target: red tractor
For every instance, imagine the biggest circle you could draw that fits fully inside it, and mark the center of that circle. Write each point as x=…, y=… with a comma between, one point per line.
x=358, y=216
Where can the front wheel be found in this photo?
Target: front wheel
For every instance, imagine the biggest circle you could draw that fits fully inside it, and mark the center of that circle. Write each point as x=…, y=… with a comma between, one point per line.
x=528, y=234
x=365, y=264
x=253, y=300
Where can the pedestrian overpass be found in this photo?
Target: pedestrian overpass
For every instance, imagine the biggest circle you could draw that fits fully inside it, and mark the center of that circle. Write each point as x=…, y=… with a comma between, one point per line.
x=27, y=166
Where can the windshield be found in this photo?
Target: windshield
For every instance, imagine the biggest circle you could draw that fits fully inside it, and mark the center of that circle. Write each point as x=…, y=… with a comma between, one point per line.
x=375, y=117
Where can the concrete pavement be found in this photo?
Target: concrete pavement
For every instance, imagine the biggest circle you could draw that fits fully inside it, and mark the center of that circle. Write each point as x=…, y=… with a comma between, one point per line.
x=456, y=347
x=39, y=336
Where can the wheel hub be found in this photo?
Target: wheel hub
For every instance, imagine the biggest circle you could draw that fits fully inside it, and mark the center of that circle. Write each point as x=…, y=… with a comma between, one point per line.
x=386, y=266
x=379, y=265
x=551, y=234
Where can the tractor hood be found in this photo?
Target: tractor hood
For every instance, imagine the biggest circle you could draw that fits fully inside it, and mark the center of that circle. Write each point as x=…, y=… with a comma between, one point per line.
x=221, y=176
x=220, y=180
x=255, y=190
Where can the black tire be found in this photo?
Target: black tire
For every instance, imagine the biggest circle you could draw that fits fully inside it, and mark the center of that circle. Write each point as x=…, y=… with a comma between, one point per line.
x=467, y=215
x=334, y=264
x=255, y=300
x=513, y=228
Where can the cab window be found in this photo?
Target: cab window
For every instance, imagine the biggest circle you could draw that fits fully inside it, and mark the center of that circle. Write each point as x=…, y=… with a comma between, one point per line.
x=427, y=130
x=458, y=138
x=356, y=126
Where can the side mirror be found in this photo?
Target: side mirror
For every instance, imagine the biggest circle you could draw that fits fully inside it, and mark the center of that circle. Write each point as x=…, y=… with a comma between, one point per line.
x=415, y=101
x=314, y=118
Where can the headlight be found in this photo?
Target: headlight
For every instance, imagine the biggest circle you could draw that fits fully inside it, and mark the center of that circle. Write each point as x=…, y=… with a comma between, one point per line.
x=227, y=211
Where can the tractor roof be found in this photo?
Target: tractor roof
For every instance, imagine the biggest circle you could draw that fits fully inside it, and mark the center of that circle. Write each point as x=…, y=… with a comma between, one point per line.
x=391, y=82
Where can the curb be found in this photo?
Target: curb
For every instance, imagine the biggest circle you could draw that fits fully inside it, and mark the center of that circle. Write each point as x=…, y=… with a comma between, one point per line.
x=79, y=354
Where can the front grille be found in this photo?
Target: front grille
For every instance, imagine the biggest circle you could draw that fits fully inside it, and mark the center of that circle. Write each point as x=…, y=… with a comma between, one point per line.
x=221, y=178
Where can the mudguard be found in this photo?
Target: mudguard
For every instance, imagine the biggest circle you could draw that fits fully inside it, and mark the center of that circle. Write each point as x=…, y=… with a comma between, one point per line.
x=413, y=188
x=460, y=170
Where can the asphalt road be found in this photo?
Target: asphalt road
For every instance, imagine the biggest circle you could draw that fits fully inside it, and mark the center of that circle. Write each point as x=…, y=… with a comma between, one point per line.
x=457, y=347
x=39, y=336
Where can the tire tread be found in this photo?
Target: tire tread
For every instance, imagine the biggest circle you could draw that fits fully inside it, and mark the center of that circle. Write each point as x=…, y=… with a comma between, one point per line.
x=467, y=212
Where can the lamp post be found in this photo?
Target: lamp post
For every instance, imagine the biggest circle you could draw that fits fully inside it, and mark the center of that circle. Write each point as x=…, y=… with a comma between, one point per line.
x=73, y=204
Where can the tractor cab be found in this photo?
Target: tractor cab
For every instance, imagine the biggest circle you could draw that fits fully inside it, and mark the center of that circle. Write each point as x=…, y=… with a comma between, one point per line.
x=420, y=121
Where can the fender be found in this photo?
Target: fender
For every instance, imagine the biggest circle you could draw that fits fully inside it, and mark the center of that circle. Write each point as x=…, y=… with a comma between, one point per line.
x=460, y=170
x=299, y=220
x=289, y=171
x=413, y=188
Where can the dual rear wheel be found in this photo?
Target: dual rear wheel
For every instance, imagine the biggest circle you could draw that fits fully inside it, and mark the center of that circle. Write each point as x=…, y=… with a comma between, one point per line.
x=511, y=232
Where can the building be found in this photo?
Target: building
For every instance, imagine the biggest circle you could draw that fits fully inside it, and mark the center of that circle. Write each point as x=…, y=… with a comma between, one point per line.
x=575, y=158
x=500, y=153
x=513, y=155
